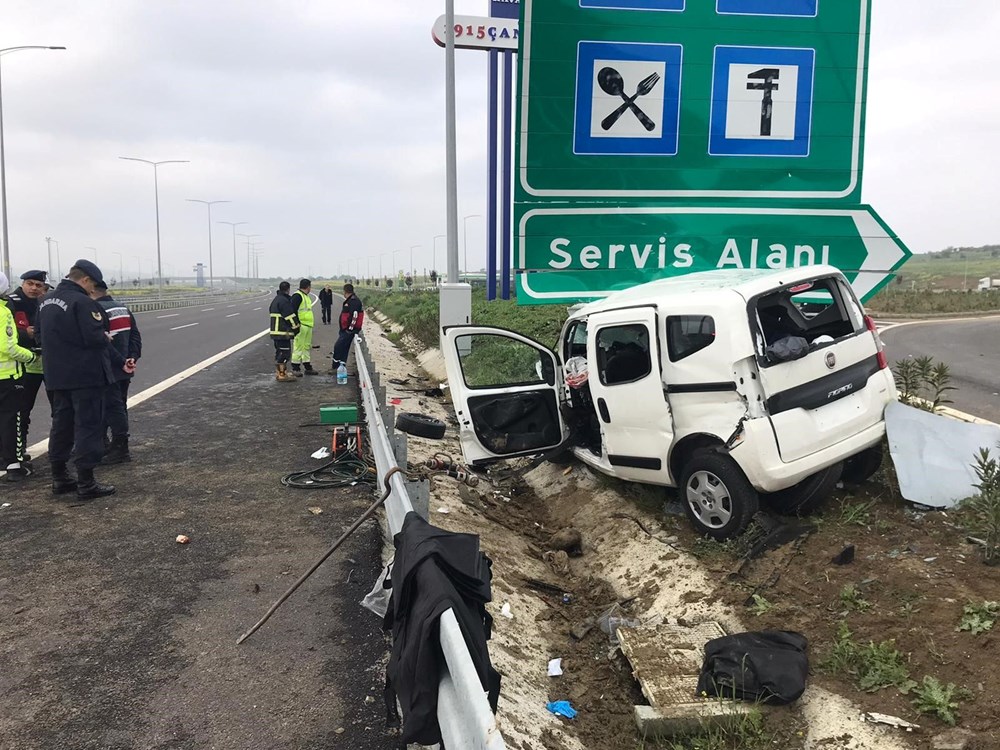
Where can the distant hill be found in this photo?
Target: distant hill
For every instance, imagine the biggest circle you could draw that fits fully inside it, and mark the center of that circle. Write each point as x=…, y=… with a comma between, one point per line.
x=951, y=268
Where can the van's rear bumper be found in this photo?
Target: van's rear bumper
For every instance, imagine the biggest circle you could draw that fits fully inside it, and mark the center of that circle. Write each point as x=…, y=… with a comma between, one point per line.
x=768, y=473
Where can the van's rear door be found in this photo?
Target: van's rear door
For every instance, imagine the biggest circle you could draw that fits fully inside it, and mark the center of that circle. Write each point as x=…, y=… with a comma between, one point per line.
x=505, y=388
x=837, y=388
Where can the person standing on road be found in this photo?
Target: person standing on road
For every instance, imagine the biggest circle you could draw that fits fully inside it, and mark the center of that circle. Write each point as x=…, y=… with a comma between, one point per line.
x=127, y=342
x=73, y=332
x=302, y=344
x=13, y=360
x=284, y=326
x=352, y=315
x=24, y=305
x=326, y=303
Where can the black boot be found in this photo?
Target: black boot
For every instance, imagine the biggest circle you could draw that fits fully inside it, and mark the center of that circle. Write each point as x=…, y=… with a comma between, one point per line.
x=309, y=368
x=89, y=489
x=62, y=482
x=118, y=452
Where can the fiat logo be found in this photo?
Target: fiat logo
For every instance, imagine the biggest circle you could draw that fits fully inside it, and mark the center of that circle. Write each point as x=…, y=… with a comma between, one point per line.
x=831, y=360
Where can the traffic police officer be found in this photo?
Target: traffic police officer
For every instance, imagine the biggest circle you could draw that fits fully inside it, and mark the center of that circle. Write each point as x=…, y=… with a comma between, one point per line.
x=24, y=305
x=302, y=344
x=73, y=330
x=13, y=359
x=284, y=326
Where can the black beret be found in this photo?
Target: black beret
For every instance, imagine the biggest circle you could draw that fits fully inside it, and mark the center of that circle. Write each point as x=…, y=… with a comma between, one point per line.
x=90, y=269
x=34, y=276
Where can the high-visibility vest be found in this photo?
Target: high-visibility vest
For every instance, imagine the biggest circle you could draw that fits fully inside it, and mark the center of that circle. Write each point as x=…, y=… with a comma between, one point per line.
x=304, y=308
x=13, y=357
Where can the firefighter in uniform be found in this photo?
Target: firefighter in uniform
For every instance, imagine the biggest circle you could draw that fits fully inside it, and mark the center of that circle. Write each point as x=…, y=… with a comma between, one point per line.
x=352, y=315
x=73, y=331
x=13, y=359
x=302, y=344
x=284, y=326
x=24, y=305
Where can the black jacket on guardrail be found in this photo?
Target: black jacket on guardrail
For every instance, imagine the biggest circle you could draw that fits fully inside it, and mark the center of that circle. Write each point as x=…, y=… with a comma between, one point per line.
x=434, y=570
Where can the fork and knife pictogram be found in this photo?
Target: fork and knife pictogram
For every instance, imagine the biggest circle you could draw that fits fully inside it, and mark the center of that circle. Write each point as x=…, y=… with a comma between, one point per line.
x=612, y=83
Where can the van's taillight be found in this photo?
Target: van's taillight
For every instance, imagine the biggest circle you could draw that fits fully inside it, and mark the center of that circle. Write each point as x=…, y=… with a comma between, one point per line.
x=882, y=361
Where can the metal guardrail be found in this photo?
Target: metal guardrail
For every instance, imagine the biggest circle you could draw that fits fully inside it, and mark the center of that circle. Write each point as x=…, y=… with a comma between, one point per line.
x=170, y=302
x=464, y=714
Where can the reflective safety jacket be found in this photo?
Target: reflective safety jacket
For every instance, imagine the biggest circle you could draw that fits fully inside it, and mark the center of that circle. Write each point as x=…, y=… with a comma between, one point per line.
x=352, y=315
x=25, y=312
x=304, y=308
x=284, y=320
x=13, y=356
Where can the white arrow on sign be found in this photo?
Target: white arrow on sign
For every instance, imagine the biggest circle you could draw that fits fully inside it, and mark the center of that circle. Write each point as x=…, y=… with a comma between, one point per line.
x=479, y=32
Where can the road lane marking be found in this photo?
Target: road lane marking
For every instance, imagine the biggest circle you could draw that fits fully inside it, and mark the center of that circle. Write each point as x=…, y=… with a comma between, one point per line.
x=172, y=315
x=230, y=305
x=186, y=326
x=42, y=446
x=232, y=315
x=208, y=309
x=256, y=309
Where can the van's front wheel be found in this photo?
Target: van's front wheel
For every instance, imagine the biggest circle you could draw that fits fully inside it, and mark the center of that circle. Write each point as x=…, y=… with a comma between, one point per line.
x=717, y=496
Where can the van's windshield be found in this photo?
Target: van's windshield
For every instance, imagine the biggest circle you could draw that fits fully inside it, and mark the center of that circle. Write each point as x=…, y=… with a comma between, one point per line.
x=815, y=312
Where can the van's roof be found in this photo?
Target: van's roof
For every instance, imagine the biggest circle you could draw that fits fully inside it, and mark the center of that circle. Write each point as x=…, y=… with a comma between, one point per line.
x=746, y=283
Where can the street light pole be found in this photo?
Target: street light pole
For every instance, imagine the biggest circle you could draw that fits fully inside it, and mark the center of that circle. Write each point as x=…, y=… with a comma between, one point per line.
x=211, y=267
x=156, y=196
x=3, y=161
x=121, y=271
x=234, y=224
x=48, y=246
x=465, y=238
x=413, y=271
x=95, y=255
x=248, y=237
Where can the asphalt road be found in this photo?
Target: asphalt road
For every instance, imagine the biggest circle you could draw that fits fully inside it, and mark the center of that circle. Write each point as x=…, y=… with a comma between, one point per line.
x=971, y=348
x=115, y=637
x=174, y=340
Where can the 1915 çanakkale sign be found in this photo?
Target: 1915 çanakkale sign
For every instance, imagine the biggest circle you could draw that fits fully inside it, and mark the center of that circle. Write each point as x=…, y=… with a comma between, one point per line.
x=666, y=104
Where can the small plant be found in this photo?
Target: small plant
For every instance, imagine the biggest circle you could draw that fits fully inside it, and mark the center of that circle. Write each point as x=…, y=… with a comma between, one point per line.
x=931, y=697
x=874, y=666
x=923, y=383
x=985, y=506
x=856, y=514
x=979, y=618
x=747, y=731
x=761, y=606
x=852, y=598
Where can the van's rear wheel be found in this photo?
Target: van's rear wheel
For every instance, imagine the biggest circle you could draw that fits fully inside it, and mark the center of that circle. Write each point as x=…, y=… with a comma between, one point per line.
x=717, y=496
x=808, y=495
x=862, y=466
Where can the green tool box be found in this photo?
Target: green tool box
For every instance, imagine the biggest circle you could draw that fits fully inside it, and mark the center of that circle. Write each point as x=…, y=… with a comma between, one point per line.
x=338, y=413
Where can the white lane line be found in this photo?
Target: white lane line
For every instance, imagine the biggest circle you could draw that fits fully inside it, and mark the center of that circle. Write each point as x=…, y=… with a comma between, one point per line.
x=232, y=315
x=208, y=309
x=42, y=446
x=257, y=308
x=187, y=326
x=172, y=315
x=230, y=305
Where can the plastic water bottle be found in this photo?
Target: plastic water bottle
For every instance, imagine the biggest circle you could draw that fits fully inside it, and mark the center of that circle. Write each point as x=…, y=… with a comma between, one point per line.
x=342, y=374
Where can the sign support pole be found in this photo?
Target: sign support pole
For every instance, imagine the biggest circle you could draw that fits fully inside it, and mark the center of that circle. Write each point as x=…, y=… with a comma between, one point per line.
x=451, y=166
x=506, y=190
x=491, y=179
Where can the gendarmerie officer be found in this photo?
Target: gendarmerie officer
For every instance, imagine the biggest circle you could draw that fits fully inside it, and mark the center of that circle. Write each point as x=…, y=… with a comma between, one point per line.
x=73, y=331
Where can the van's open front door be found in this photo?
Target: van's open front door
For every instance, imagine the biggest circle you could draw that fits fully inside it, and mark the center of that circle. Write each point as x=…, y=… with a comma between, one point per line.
x=505, y=389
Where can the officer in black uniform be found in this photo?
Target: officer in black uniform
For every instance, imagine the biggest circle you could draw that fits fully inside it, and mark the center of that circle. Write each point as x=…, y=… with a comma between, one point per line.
x=73, y=330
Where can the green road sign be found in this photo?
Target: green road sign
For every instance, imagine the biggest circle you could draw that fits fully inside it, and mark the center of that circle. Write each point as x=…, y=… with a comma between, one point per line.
x=580, y=254
x=705, y=100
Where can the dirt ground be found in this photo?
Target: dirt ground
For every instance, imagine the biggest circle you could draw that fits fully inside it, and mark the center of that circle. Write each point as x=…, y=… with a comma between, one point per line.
x=914, y=572
x=114, y=636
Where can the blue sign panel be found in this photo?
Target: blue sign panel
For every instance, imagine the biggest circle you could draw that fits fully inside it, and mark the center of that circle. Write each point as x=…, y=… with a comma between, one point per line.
x=807, y=8
x=628, y=98
x=762, y=100
x=505, y=8
x=634, y=4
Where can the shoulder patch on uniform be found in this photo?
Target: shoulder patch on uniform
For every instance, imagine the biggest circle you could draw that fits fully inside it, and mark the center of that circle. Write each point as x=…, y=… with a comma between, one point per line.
x=10, y=331
x=97, y=316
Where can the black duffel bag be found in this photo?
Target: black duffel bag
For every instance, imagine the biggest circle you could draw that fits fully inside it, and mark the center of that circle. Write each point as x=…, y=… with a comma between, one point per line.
x=766, y=667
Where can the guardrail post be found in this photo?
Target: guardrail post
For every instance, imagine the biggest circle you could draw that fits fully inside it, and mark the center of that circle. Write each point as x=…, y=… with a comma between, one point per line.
x=420, y=497
x=389, y=419
x=400, y=449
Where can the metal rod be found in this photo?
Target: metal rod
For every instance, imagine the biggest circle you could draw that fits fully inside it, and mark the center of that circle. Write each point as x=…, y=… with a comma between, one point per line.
x=451, y=160
x=491, y=179
x=506, y=192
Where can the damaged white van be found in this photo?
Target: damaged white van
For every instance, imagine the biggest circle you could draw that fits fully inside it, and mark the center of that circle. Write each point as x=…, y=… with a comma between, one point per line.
x=732, y=386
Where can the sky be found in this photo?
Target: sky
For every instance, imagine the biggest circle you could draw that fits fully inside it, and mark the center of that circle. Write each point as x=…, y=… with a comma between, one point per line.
x=322, y=121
